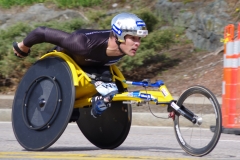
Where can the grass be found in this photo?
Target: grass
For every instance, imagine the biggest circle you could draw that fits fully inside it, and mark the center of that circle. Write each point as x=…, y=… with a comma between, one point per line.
x=59, y=3
x=10, y=3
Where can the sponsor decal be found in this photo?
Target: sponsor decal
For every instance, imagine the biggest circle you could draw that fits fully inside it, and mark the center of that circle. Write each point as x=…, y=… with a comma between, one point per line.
x=145, y=96
x=142, y=32
x=117, y=30
x=141, y=95
x=134, y=94
x=109, y=85
x=164, y=92
x=106, y=88
x=98, y=83
x=140, y=23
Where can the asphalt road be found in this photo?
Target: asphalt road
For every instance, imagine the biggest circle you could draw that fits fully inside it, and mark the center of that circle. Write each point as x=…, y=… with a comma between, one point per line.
x=143, y=142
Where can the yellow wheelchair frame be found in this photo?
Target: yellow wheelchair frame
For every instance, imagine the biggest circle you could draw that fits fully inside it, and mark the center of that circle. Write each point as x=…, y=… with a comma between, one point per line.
x=85, y=89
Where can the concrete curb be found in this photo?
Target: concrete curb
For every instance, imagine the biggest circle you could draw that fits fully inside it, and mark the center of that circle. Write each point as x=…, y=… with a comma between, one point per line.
x=139, y=119
x=7, y=97
x=5, y=115
x=147, y=119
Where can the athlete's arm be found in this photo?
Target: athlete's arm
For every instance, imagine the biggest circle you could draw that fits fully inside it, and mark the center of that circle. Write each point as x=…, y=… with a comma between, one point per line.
x=74, y=43
x=44, y=34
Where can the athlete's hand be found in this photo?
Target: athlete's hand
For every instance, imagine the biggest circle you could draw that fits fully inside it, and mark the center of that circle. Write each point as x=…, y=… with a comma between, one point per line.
x=20, y=50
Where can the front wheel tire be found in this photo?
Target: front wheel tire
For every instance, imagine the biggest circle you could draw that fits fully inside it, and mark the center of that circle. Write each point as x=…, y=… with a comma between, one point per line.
x=198, y=140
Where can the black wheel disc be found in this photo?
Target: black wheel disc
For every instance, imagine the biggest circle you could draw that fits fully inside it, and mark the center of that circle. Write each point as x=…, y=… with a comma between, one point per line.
x=46, y=92
x=43, y=104
x=110, y=129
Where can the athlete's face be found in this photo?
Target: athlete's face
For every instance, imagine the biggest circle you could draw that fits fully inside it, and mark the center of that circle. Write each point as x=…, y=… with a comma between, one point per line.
x=131, y=44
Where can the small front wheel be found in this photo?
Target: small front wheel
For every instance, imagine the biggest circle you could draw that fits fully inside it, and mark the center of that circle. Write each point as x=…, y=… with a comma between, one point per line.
x=198, y=139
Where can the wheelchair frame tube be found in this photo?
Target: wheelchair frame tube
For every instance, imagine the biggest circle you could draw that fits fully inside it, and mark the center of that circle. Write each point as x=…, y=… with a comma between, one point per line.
x=154, y=97
x=82, y=83
x=185, y=113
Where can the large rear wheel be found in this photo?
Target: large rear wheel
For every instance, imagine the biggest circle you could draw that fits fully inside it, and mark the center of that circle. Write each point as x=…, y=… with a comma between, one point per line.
x=110, y=129
x=43, y=104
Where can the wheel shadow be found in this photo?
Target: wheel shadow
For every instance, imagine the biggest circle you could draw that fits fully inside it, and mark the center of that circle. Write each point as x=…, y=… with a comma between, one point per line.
x=132, y=148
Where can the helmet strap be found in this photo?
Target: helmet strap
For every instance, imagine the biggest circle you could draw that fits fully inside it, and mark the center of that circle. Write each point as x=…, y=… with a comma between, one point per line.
x=118, y=43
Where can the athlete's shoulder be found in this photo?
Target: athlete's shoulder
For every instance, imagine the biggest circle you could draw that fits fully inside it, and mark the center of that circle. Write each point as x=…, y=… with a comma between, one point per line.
x=93, y=31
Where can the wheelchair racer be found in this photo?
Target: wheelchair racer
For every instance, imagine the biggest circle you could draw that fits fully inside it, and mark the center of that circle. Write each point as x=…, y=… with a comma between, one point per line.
x=93, y=50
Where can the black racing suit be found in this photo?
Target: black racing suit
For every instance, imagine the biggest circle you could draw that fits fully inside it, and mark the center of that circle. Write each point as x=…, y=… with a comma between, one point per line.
x=86, y=47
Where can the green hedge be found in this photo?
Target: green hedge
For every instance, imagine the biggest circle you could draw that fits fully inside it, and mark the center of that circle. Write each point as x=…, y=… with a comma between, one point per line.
x=59, y=3
x=156, y=41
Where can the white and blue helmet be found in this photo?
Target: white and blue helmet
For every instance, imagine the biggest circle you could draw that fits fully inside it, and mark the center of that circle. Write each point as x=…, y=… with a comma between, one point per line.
x=128, y=23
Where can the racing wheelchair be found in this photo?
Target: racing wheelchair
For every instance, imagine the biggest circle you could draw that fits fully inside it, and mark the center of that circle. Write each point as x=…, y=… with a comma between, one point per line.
x=56, y=91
